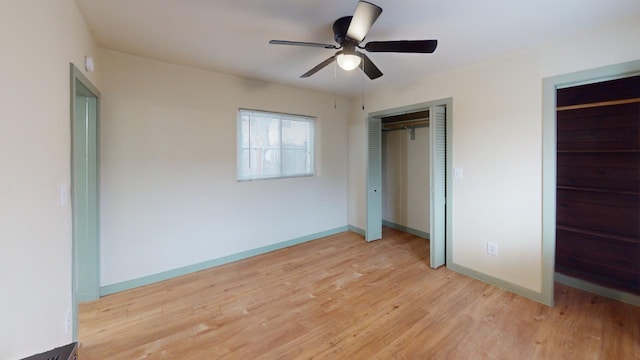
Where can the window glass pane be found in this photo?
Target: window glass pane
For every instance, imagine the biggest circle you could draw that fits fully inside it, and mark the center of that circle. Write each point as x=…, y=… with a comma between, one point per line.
x=296, y=147
x=274, y=145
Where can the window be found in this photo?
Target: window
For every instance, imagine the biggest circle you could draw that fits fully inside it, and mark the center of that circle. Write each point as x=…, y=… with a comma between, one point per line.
x=273, y=145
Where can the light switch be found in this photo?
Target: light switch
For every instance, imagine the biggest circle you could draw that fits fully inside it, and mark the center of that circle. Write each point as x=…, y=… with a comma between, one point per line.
x=457, y=173
x=64, y=195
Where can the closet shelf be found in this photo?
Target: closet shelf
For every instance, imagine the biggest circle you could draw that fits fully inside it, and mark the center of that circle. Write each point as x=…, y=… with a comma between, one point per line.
x=599, y=104
x=591, y=262
x=600, y=151
x=622, y=238
x=599, y=190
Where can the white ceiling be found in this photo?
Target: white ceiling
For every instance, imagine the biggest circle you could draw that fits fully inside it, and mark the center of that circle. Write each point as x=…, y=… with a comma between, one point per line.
x=232, y=36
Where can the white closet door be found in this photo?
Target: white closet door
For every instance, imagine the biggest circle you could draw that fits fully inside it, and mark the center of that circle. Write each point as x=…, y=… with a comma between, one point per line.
x=374, y=180
x=438, y=171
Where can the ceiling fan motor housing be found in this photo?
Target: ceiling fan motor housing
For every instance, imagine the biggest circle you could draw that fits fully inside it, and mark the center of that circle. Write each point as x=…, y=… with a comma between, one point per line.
x=349, y=32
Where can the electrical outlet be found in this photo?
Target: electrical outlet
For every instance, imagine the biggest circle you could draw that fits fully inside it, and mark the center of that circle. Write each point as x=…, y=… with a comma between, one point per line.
x=492, y=248
x=68, y=319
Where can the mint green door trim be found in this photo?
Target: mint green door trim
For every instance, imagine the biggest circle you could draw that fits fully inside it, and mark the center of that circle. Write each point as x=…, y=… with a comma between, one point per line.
x=374, y=179
x=438, y=178
x=448, y=244
x=550, y=85
x=84, y=192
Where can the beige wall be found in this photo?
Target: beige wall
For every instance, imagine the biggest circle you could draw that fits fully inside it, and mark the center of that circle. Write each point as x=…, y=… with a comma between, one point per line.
x=169, y=191
x=497, y=139
x=39, y=39
x=405, y=178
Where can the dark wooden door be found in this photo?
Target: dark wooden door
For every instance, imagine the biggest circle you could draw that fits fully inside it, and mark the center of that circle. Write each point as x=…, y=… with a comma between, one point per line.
x=598, y=183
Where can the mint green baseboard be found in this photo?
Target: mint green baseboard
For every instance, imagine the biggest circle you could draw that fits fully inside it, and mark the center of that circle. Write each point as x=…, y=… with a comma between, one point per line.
x=166, y=275
x=475, y=274
x=356, y=230
x=622, y=296
x=406, y=229
x=516, y=289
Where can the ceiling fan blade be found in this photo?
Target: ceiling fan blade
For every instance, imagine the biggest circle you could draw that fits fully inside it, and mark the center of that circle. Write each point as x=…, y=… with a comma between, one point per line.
x=369, y=67
x=300, y=43
x=318, y=67
x=365, y=15
x=402, y=46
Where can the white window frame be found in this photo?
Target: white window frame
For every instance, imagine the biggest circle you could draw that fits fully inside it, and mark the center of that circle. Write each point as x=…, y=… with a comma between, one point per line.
x=280, y=117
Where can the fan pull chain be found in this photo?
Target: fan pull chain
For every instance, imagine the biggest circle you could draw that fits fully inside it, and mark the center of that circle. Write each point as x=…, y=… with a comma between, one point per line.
x=363, y=73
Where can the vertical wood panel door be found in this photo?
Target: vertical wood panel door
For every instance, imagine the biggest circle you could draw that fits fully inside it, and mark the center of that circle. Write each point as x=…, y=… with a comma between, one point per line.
x=598, y=183
x=438, y=173
x=374, y=180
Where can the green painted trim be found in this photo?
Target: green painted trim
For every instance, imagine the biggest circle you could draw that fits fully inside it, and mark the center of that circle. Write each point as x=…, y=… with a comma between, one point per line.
x=622, y=296
x=516, y=289
x=406, y=229
x=449, y=195
x=77, y=74
x=550, y=85
x=548, y=189
x=410, y=108
x=357, y=230
x=80, y=85
x=166, y=275
x=373, y=186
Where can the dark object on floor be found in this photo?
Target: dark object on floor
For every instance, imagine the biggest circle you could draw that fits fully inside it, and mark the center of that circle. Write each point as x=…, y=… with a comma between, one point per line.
x=67, y=352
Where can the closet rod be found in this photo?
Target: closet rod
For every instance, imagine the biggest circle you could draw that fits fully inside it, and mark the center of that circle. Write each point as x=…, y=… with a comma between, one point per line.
x=598, y=104
x=405, y=124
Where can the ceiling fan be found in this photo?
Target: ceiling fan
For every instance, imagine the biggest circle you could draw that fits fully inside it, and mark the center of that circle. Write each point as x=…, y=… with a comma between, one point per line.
x=349, y=32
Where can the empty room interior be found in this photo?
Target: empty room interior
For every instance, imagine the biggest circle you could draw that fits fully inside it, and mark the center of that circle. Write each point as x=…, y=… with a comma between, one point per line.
x=320, y=179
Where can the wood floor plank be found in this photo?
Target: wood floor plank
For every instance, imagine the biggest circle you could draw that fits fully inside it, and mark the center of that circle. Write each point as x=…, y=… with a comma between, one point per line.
x=343, y=298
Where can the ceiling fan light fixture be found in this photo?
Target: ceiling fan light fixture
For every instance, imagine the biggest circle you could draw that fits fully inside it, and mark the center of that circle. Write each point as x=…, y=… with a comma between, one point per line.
x=348, y=62
x=349, y=32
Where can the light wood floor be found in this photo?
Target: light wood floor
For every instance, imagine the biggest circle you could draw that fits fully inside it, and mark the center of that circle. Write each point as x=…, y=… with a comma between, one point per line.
x=343, y=298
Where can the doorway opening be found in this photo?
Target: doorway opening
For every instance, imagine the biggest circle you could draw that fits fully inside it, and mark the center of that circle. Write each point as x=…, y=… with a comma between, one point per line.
x=84, y=192
x=429, y=124
x=559, y=228
x=598, y=183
